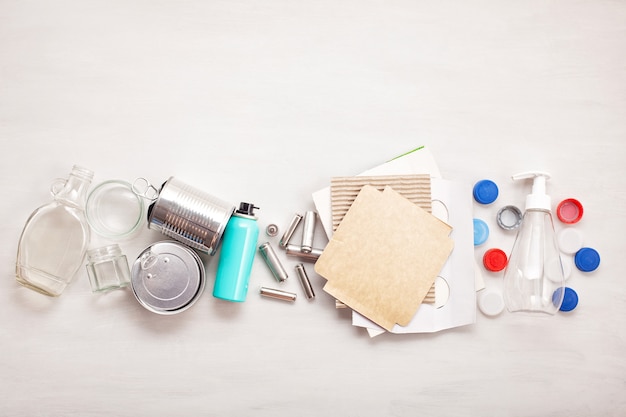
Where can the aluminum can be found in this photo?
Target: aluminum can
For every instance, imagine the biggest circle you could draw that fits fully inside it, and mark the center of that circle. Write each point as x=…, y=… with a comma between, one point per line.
x=189, y=215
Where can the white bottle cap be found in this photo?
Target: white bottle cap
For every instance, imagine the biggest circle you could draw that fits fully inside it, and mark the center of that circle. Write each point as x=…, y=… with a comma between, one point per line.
x=491, y=303
x=570, y=240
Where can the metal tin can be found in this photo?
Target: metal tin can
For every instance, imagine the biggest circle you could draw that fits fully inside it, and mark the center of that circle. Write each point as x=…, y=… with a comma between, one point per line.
x=190, y=216
x=167, y=277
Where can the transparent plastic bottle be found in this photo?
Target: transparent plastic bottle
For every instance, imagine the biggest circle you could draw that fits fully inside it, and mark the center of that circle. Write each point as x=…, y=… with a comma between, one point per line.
x=533, y=280
x=55, y=238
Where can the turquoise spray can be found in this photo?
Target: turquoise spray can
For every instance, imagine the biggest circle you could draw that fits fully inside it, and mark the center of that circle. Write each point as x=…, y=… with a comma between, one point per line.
x=237, y=254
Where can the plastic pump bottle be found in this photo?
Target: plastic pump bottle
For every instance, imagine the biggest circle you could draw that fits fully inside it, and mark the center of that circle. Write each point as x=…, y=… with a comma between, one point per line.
x=55, y=238
x=237, y=255
x=533, y=280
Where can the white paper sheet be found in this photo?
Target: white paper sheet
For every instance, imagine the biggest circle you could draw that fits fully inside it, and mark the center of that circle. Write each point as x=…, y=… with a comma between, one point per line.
x=459, y=271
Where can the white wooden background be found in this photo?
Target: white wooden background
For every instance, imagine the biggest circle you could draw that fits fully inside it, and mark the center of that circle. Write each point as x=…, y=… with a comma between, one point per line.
x=265, y=102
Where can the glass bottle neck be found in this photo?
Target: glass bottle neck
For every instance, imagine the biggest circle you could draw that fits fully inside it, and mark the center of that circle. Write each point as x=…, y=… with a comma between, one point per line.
x=74, y=192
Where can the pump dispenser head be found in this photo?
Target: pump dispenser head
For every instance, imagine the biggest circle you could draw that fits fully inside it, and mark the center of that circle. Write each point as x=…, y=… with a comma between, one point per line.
x=537, y=199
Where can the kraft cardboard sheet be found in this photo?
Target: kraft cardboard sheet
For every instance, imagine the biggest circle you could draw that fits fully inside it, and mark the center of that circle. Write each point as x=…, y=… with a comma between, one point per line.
x=384, y=256
x=415, y=188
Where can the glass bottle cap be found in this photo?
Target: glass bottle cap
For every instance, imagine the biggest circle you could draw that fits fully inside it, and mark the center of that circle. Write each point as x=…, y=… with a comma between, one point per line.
x=569, y=211
x=485, y=192
x=587, y=259
x=113, y=210
x=495, y=260
x=481, y=232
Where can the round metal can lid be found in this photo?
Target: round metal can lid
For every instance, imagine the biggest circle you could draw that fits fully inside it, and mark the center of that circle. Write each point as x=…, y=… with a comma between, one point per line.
x=167, y=277
x=481, y=232
x=485, y=192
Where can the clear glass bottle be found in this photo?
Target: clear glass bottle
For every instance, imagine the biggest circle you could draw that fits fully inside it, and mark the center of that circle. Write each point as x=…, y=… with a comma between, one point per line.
x=55, y=238
x=533, y=280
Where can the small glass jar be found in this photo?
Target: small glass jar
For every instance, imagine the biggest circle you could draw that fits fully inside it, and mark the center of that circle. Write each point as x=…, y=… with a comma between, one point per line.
x=107, y=268
x=114, y=210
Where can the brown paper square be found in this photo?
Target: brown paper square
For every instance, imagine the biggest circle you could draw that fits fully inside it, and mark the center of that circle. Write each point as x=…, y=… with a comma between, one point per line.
x=384, y=256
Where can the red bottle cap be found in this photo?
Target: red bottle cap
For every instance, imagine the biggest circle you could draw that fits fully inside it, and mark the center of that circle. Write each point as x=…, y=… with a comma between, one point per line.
x=569, y=211
x=495, y=260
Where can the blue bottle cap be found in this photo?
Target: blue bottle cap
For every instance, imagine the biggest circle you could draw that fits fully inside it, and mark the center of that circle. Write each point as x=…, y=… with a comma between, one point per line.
x=485, y=191
x=570, y=300
x=587, y=259
x=481, y=232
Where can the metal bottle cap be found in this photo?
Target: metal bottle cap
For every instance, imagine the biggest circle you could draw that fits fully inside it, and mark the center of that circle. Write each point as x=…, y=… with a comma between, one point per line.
x=509, y=217
x=167, y=277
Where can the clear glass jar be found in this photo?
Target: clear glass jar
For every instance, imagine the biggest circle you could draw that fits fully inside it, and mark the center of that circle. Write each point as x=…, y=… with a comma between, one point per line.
x=107, y=268
x=55, y=238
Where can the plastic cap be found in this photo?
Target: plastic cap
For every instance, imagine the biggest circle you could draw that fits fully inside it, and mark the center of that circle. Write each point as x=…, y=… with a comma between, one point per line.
x=246, y=208
x=495, y=260
x=570, y=240
x=485, y=192
x=587, y=259
x=569, y=211
x=570, y=300
x=491, y=303
x=481, y=232
x=537, y=199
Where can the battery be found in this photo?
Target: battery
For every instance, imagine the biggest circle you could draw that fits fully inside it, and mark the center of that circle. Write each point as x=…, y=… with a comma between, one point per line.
x=273, y=262
x=278, y=294
x=308, y=232
x=296, y=251
x=295, y=221
x=304, y=280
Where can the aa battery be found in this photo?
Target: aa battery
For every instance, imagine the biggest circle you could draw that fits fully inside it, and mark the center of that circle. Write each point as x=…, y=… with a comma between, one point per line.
x=273, y=262
x=308, y=232
x=304, y=280
x=284, y=241
x=277, y=294
x=296, y=251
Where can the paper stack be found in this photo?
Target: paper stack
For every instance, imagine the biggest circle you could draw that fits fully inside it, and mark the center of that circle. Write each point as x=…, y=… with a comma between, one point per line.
x=388, y=258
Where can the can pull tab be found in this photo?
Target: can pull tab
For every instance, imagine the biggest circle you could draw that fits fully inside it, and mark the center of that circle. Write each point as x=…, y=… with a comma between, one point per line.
x=148, y=260
x=144, y=189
